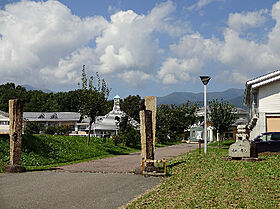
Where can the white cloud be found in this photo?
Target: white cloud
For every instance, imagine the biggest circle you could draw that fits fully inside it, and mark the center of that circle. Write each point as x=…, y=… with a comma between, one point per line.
x=45, y=41
x=174, y=70
x=135, y=78
x=192, y=53
x=200, y=4
x=240, y=56
x=36, y=35
x=246, y=20
x=231, y=77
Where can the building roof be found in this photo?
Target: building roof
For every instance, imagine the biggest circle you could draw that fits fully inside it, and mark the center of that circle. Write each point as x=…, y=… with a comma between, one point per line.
x=109, y=121
x=51, y=116
x=5, y=114
x=260, y=81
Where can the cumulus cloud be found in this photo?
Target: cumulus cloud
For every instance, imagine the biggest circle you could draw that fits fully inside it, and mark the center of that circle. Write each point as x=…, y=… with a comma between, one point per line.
x=192, y=53
x=44, y=40
x=36, y=35
x=240, y=56
x=174, y=69
x=246, y=20
x=200, y=4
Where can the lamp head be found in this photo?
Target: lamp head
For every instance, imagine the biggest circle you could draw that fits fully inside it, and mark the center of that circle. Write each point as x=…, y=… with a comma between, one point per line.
x=205, y=79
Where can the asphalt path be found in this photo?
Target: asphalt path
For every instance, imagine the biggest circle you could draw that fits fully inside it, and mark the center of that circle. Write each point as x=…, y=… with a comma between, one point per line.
x=127, y=163
x=82, y=185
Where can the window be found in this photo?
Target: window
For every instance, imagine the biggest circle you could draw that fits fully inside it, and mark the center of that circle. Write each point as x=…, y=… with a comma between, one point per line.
x=42, y=115
x=255, y=99
x=54, y=116
x=4, y=122
x=193, y=134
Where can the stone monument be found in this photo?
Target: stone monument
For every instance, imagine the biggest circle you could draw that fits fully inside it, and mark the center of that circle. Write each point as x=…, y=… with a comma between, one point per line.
x=147, y=130
x=242, y=148
x=15, y=117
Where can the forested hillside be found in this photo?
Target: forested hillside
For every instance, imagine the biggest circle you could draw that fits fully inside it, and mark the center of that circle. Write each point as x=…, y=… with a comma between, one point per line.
x=39, y=101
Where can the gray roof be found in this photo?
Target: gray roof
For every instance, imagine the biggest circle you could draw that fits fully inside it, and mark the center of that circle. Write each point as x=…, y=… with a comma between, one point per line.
x=51, y=116
x=5, y=114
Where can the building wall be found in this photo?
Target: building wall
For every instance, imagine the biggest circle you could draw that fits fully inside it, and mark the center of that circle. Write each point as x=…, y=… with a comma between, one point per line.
x=260, y=126
x=4, y=125
x=269, y=98
x=268, y=103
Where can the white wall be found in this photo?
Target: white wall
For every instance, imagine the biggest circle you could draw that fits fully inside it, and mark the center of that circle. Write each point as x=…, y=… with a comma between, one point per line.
x=259, y=128
x=269, y=98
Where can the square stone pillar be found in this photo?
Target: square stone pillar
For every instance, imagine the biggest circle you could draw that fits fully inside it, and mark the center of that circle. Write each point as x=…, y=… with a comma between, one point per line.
x=151, y=104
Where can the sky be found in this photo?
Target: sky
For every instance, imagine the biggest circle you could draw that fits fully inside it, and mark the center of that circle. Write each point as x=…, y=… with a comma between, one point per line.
x=147, y=47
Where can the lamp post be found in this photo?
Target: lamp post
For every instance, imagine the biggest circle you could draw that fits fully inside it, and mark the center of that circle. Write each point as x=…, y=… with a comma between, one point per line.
x=205, y=80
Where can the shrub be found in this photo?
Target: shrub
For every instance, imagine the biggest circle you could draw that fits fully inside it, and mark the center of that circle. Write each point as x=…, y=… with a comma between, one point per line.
x=32, y=127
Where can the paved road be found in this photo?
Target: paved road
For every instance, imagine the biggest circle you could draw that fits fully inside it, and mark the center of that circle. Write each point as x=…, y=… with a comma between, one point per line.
x=66, y=190
x=127, y=163
x=82, y=187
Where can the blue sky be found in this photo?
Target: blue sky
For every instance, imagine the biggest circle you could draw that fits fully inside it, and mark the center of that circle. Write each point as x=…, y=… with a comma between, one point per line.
x=140, y=47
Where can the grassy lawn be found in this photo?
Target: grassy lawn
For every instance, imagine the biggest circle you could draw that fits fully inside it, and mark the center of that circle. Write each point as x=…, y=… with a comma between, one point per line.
x=46, y=151
x=199, y=181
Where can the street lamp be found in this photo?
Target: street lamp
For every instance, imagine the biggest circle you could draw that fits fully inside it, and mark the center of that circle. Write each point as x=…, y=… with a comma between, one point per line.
x=205, y=80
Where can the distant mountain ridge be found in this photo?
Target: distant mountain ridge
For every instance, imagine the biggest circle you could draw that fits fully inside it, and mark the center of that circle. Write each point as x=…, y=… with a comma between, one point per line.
x=31, y=88
x=233, y=96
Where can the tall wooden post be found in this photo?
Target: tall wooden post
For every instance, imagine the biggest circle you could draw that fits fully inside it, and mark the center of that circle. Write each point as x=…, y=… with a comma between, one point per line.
x=15, y=117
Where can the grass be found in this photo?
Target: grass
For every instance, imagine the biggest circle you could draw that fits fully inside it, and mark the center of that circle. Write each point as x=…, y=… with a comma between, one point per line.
x=199, y=181
x=225, y=143
x=46, y=151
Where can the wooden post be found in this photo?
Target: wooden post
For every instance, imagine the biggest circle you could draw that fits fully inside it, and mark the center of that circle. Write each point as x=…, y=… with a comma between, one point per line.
x=15, y=117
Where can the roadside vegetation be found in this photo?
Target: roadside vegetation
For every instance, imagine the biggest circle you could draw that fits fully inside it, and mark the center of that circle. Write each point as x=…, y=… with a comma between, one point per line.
x=199, y=181
x=46, y=151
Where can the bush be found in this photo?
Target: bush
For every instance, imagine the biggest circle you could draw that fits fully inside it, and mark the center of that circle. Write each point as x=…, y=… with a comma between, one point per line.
x=60, y=130
x=32, y=127
x=129, y=136
x=50, y=130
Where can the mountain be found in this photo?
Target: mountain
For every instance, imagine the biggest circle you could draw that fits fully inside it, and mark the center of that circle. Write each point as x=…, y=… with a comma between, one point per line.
x=233, y=96
x=31, y=88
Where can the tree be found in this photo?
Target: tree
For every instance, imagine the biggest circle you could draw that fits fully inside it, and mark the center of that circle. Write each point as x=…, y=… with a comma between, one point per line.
x=130, y=105
x=172, y=120
x=93, y=98
x=221, y=115
x=127, y=133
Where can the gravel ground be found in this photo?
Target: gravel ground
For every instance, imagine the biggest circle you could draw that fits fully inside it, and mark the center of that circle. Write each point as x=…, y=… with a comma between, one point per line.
x=126, y=163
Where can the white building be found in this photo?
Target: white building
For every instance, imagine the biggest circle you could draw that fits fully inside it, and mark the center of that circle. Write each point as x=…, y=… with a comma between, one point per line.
x=104, y=126
x=262, y=96
x=4, y=123
x=107, y=126
x=45, y=119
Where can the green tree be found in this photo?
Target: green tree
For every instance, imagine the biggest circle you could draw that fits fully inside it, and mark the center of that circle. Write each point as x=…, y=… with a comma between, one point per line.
x=127, y=133
x=221, y=116
x=93, y=98
x=173, y=120
x=32, y=127
x=130, y=105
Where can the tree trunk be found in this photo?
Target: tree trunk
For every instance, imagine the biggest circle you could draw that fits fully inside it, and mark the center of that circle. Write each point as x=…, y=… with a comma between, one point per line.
x=89, y=131
x=220, y=140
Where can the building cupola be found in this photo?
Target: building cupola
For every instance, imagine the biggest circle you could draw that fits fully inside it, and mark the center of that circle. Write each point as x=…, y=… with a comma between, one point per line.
x=117, y=103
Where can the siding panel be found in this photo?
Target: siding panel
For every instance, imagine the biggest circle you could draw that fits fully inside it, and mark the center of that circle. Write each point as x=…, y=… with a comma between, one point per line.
x=269, y=98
